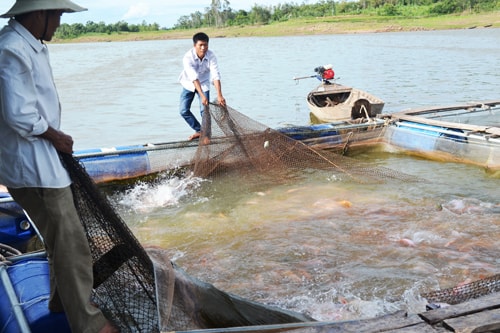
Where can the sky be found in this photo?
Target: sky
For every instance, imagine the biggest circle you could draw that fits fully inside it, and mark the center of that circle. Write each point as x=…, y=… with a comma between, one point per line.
x=164, y=12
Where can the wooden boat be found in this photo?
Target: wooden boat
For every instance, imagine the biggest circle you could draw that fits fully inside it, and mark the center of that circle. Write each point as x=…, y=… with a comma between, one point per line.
x=330, y=101
x=466, y=133
x=338, y=136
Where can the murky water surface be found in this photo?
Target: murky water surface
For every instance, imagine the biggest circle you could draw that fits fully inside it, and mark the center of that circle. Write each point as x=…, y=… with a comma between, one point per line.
x=331, y=247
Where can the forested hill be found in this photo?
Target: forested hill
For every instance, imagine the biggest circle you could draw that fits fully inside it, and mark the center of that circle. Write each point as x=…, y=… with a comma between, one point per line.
x=219, y=14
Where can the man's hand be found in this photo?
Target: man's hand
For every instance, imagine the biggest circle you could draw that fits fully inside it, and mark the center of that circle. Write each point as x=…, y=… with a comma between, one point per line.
x=61, y=141
x=221, y=100
x=204, y=100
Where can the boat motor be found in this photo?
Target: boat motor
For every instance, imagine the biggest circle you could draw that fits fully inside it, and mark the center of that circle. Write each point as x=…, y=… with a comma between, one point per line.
x=325, y=73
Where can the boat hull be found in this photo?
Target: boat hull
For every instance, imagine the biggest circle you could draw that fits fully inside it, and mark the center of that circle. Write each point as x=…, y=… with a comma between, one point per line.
x=334, y=102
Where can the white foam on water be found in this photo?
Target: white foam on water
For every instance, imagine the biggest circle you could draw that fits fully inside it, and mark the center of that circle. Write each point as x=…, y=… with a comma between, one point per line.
x=340, y=308
x=167, y=192
x=469, y=206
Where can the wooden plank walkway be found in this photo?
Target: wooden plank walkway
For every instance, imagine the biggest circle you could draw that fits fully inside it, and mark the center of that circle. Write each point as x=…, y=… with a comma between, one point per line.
x=415, y=115
x=481, y=315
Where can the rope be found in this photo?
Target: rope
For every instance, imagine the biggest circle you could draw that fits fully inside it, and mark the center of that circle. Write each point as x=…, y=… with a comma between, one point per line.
x=6, y=250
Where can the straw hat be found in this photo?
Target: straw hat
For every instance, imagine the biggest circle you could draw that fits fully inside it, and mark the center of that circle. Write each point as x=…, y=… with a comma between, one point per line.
x=26, y=6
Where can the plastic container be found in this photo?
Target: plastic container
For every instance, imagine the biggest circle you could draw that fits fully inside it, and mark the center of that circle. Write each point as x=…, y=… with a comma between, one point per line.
x=29, y=281
x=119, y=163
x=15, y=230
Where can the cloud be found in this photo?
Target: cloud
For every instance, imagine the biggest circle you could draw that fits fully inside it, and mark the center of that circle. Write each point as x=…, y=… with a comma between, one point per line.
x=139, y=10
x=164, y=12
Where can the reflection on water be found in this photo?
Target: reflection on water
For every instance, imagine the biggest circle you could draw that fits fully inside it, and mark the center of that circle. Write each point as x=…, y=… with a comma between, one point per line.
x=335, y=249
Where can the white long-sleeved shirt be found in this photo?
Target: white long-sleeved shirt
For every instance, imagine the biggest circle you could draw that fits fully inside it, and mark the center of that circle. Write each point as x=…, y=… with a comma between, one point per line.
x=29, y=104
x=205, y=70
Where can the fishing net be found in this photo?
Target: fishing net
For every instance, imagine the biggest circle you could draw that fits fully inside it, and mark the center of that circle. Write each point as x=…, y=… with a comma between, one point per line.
x=143, y=291
x=124, y=285
x=465, y=292
x=186, y=303
x=141, y=295
x=232, y=142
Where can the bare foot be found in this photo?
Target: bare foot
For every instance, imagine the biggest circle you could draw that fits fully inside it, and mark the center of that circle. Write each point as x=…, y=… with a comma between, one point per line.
x=194, y=136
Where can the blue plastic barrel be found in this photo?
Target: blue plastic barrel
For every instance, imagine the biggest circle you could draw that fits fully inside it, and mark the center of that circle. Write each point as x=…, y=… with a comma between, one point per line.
x=415, y=136
x=119, y=163
x=311, y=131
x=29, y=279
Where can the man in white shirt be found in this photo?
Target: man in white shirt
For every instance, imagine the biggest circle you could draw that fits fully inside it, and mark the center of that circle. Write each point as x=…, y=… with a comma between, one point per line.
x=200, y=67
x=30, y=118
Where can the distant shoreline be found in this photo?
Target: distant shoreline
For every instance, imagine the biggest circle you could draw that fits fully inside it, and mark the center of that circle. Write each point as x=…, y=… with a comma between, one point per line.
x=345, y=24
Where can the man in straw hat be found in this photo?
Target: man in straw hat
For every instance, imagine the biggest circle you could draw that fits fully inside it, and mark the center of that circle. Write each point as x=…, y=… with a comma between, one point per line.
x=29, y=163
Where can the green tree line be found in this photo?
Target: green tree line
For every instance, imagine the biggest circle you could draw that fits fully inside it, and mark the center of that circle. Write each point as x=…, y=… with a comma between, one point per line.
x=220, y=14
x=68, y=31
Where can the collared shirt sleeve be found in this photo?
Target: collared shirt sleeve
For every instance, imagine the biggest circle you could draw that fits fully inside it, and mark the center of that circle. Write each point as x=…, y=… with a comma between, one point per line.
x=214, y=67
x=29, y=104
x=190, y=67
x=205, y=70
x=19, y=96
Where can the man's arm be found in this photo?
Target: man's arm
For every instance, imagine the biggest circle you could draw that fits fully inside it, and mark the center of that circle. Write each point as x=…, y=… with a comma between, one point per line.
x=197, y=86
x=61, y=141
x=220, y=98
x=215, y=74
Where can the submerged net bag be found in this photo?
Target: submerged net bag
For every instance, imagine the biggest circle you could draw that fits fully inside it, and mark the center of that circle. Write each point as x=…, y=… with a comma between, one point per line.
x=186, y=303
x=124, y=285
x=232, y=142
x=143, y=295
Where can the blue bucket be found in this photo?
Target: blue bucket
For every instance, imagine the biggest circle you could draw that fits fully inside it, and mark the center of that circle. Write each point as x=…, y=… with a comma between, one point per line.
x=30, y=281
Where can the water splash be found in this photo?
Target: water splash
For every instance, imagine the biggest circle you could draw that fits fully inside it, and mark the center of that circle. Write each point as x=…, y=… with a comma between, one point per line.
x=470, y=206
x=166, y=192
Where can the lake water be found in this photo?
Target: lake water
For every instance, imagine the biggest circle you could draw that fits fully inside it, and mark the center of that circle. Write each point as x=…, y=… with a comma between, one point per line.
x=331, y=248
